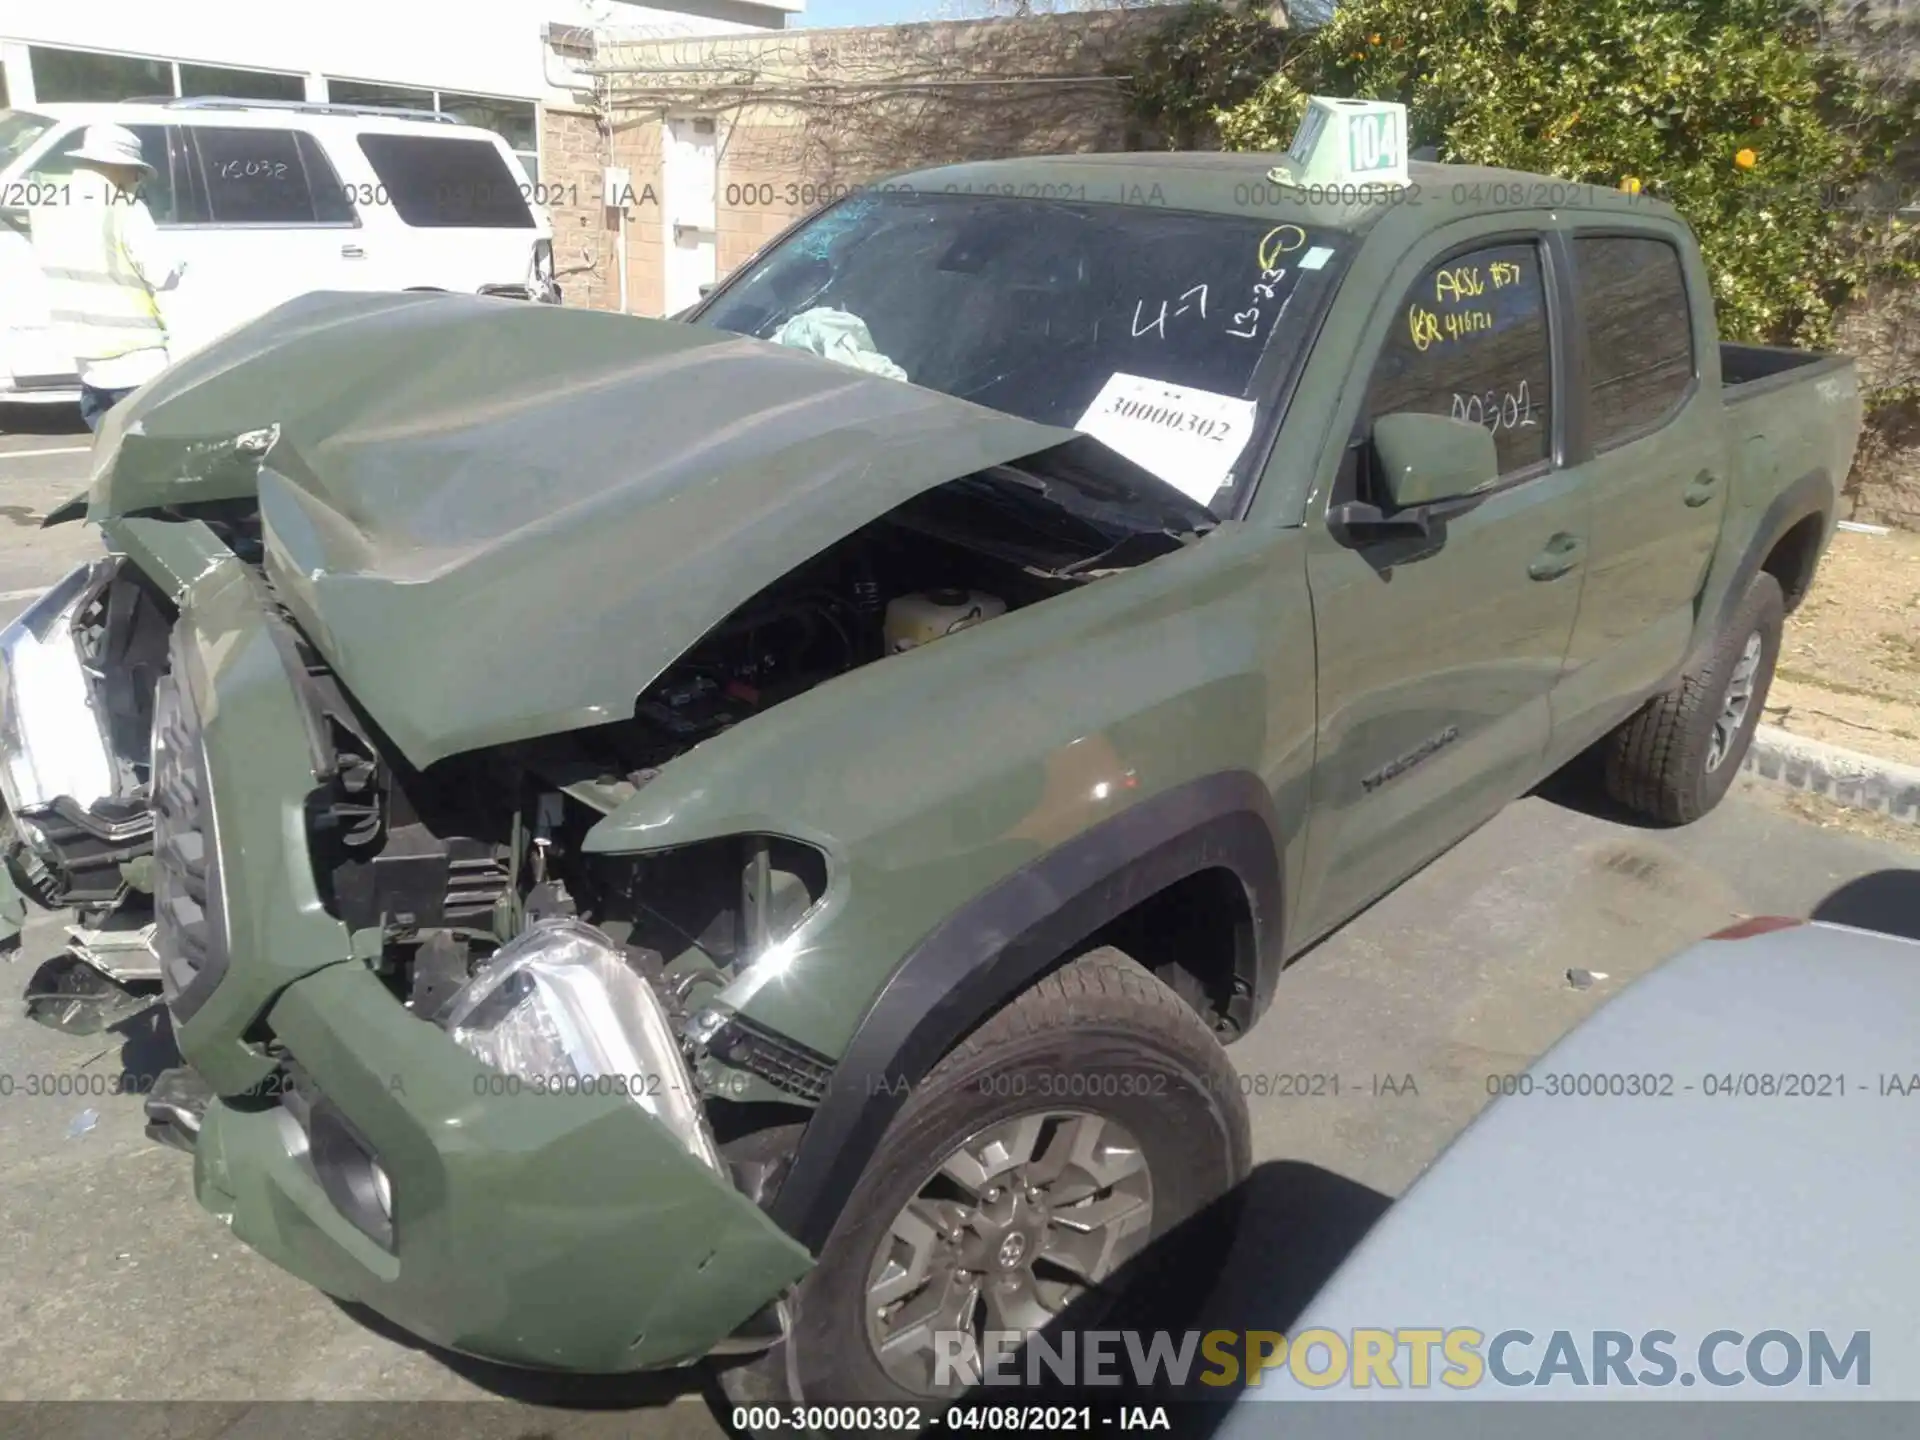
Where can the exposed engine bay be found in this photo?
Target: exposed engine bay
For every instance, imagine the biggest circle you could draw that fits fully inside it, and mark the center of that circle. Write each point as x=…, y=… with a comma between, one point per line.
x=433, y=871
x=446, y=863
x=409, y=853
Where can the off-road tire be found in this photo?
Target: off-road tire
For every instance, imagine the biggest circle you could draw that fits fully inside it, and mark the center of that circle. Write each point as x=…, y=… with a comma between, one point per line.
x=1656, y=763
x=1102, y=1014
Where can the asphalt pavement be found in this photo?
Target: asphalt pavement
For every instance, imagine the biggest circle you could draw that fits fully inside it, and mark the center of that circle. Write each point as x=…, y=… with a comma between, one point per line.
x=43, y=462
x=115, y=1285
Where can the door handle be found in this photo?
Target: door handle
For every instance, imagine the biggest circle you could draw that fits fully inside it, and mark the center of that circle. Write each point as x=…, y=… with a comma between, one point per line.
x=353, y=252
x=1700, y=489
x=1561, y=555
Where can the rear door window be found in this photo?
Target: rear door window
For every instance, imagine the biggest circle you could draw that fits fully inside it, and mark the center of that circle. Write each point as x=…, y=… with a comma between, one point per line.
x=260, y=176
x=448, y=181
x=1470, y=340
x=1633, y=296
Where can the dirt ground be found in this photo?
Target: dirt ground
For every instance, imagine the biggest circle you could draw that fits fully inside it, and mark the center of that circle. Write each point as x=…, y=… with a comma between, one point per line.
x=1849, y=670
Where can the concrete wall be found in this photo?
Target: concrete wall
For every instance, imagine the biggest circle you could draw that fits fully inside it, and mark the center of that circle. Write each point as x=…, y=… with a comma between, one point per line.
x=1882, y=328
x=1882, y=332
x=804, y=115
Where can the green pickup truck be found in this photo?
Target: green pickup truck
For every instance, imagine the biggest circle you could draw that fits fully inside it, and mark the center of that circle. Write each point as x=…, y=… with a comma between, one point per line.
x=672, y=845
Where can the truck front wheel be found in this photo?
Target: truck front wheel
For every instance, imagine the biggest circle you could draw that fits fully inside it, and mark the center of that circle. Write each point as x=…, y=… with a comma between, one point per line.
x=1037, y=1167
x=1677, y=757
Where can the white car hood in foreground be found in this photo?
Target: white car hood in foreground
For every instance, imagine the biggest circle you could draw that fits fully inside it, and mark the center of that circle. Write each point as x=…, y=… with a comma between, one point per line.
x=1710, y=1209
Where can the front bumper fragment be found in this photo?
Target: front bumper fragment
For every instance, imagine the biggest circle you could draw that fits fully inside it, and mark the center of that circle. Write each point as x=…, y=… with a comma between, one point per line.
x=560, y=1231
x=568, y=1231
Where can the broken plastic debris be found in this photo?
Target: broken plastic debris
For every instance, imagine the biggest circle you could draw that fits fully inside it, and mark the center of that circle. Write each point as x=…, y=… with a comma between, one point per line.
x=82, y=1123
x=1580, y=979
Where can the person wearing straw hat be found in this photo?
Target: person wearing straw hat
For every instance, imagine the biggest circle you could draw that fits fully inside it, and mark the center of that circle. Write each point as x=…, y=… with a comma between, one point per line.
x=105, y=268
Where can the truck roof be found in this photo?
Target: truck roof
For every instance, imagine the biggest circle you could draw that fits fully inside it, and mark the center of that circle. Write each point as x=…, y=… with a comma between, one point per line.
x=1236, y=183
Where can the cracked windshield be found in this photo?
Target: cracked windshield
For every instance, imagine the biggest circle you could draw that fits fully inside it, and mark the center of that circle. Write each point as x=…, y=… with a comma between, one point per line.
x=1150, y=329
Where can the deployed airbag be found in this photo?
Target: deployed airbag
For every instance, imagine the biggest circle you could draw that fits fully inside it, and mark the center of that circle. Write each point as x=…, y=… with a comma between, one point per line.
x=840, y=336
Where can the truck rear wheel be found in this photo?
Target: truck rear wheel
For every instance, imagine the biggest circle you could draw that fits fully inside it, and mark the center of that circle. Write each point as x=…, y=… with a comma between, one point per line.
x=1029, y=1172
x=1677, y=757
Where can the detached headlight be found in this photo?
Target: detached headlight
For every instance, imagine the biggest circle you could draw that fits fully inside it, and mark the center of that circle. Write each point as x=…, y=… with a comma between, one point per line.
x=51, y=742
x=559, y=1005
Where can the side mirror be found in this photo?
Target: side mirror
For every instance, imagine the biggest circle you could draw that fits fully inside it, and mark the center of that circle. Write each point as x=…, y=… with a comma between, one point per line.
x=708, y=288
x=1424, y=458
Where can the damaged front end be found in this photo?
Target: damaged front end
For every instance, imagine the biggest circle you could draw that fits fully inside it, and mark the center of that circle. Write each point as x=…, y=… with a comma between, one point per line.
x=425, y=1093
x=461, y=1059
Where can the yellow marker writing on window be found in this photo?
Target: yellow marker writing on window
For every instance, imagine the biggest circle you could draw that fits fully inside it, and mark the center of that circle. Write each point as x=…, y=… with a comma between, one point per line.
x=1281, y=240
x=1461, y=283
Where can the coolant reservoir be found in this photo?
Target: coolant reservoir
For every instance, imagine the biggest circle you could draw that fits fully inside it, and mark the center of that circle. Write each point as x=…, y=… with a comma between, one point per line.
x=916, y=619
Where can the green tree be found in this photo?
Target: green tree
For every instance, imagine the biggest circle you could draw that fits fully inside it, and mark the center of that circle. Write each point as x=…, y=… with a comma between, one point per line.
x=1207, y=59
x=1732, y=110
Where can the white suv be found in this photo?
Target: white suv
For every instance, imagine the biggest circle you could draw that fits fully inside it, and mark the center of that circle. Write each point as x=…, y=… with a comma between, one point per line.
x=266, y=201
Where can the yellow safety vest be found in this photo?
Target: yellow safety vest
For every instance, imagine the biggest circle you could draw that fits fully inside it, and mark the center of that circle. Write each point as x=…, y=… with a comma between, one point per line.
x=97, y=300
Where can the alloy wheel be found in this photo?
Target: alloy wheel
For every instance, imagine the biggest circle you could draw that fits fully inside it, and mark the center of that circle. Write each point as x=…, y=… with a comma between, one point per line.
x=1733, y=709
x=1024, y=1218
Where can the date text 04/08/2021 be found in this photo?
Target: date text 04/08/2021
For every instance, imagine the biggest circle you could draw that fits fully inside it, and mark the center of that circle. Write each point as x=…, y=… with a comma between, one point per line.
x=1501, y=194
x=957, y=1419
x=1295, y=1085
x=1714, y=1084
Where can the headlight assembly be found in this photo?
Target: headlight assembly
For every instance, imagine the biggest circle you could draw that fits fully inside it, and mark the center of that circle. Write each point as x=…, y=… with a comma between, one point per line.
x=558, y=1006
x=51, y=742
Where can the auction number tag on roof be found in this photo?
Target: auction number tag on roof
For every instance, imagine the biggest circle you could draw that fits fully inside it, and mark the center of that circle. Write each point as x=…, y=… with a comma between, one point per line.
x=1188, y=438
x=1340, y=140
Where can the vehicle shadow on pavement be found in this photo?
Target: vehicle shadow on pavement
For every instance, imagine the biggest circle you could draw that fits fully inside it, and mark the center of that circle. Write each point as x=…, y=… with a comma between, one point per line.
x=1886, y=900
x=1294, y=1224
x=41, y=420
x=1581, y=786
x=555, y=1390
x=147, y=1047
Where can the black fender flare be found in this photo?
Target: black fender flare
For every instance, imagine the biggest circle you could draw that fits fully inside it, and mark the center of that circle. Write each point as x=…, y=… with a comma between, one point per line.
x=1812, y=494
x=997, y=944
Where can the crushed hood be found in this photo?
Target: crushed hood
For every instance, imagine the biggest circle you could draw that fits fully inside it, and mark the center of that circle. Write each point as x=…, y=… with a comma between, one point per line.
x=499, y=520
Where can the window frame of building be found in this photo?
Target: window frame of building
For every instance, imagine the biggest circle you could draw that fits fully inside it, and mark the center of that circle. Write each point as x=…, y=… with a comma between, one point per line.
x=1599, y=444
x=180, y=68
x=41, y=92
x=175, y=84
x=380, y=93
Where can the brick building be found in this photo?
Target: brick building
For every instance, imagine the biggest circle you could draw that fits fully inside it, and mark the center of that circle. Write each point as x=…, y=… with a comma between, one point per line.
x=724, y=141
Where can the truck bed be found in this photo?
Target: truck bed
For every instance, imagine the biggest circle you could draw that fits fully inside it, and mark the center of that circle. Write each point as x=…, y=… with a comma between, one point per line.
x=1793, y=418
x=1750, y=370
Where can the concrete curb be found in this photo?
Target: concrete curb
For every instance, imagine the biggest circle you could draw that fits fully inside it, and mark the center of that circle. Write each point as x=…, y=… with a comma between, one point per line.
x=1846, y=777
